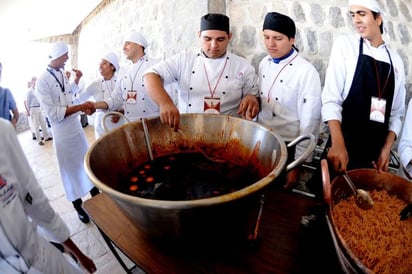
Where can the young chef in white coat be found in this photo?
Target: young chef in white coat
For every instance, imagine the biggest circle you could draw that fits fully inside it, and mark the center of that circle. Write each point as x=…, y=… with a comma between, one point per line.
x=56, y=97
x=25, y=209
x=208, y=80
x=289, y=87
x=102, y=89
x=130, y=96
x=363, y=98
x=405, y=145
x=36, y=114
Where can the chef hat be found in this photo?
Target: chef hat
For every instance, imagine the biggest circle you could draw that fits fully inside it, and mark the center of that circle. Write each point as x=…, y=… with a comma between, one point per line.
x=214, y=21
x=57, y=50
x=137, y=38
x=370, y=4
x=112, y=58
x=280, y=23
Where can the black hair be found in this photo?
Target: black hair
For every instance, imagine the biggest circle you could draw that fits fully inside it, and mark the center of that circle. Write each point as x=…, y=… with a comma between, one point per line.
x=375, y=15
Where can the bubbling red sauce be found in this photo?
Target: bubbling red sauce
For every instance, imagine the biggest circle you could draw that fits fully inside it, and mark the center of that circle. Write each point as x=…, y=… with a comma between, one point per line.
x=186, y=176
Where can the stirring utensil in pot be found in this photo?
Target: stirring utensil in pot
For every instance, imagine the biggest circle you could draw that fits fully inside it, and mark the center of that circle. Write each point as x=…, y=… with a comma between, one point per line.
x=362, y=198
x=406, y=212
x=200, y=150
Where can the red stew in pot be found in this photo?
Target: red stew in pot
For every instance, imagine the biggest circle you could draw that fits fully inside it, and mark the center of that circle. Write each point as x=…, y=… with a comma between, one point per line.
x=186, y=176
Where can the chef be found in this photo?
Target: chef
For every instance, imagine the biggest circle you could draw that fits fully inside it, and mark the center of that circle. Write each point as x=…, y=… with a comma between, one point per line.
x=209, y=80
x=130, y=96
x=23, y=209
x=363, y=98
x=102, y=89
x=289, y=87
x=56, y=96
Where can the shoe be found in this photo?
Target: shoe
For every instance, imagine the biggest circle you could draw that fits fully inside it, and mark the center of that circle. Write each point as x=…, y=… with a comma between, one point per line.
x=41, y=143
x=49, y=139
x=34, y=137
x=83, y=216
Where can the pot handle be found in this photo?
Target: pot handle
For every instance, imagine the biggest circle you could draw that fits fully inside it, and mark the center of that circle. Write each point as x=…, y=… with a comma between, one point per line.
x=110, y=113
x=326, y=182
x=302, y=158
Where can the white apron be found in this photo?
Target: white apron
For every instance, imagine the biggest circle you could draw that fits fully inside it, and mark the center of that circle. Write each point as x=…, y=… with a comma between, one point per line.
x=71, y=146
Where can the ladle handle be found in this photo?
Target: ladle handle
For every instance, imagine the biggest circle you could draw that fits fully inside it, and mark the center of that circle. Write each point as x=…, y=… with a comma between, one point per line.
x=147, y=139
x=350, y=183
x=110, y=113
x=305, y=155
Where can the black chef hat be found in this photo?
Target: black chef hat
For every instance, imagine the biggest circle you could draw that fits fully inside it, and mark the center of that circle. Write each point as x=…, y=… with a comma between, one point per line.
x=280, y=23
x=214, y=21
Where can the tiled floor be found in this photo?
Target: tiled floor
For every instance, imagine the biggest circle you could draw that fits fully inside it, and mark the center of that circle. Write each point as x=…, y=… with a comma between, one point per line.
x=44, y=164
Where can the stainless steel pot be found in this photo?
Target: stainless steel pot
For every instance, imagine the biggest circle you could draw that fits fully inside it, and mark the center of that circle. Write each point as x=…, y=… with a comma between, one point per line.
x=118, y=152
x=368, y=179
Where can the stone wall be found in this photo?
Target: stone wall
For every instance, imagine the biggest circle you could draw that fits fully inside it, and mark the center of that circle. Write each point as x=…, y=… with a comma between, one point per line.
x=172, y=25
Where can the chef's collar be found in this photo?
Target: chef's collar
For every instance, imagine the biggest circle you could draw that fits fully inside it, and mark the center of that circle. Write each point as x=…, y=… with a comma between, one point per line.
x=369, y=44
x=277, y=60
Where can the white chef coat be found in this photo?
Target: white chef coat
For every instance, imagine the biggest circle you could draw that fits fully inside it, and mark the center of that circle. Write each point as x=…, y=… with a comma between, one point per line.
x=99, y=90
x=36, y=115
x=405, y=144
x=340, y=73
x=143, y=106
x=24, y=208
x=187, y=68
x=291, y=97
x=69, y=139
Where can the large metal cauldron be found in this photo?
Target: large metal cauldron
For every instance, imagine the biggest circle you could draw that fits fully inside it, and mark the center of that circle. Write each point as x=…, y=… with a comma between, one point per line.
x=368, y=179
x=118, y=152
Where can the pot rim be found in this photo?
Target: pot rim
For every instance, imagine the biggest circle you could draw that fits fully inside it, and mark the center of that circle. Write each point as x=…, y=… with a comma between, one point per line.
x=246, y=191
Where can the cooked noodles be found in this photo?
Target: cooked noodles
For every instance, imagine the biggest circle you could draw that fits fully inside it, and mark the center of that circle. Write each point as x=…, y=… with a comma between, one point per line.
x=377, y=237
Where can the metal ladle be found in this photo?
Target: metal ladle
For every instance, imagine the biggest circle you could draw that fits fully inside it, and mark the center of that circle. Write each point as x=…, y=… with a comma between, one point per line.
x=362, y=198
x=198, y=149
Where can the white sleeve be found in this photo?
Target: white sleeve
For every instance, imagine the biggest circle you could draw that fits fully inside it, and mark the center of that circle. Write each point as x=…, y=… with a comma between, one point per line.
x=16, y=169
x=336, y=86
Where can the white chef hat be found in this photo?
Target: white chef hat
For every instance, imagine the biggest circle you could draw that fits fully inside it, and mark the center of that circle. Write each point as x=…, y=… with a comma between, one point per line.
x=112, y=58
x=137, y=38
x=370, y=4
x=57, y=50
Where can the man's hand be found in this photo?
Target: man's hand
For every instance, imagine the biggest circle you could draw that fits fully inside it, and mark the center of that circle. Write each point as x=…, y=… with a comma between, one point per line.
x=169, y=114
x=88, y=108
x=249, y=107
x=338, y=158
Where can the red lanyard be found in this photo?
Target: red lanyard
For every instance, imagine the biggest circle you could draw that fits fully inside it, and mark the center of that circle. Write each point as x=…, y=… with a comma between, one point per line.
x=381, y=90
x=212, y=92
x=274, y=80
x=141, y=60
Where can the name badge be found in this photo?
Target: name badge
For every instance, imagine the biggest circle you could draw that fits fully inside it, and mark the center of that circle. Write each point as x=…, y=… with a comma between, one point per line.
x=378, y=107
x=211, y=105
x=131, y=97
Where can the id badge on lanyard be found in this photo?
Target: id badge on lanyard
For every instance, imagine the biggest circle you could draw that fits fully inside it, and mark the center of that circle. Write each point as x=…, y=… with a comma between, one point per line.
x=131, y=97
x=378, y=107
x=211, y=105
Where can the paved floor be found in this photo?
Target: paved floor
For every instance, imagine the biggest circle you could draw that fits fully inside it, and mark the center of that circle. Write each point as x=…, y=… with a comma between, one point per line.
x=44, y=164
